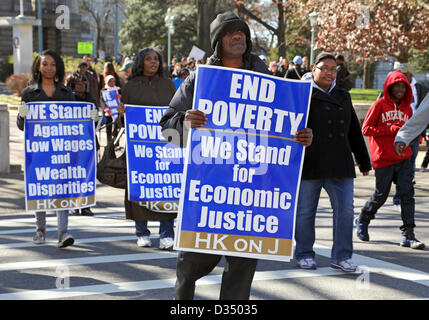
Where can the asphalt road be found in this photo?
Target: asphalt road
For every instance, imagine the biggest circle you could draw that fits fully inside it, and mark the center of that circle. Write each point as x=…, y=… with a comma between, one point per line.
x=105, y=262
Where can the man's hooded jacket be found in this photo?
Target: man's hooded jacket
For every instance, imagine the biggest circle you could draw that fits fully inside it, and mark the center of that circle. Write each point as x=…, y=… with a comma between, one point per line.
x=182, y=100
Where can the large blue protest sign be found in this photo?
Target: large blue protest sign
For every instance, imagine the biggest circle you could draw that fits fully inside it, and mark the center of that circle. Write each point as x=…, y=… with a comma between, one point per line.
x=154, y=166
x=242, y=170
x=60, y=156
x=111, y=99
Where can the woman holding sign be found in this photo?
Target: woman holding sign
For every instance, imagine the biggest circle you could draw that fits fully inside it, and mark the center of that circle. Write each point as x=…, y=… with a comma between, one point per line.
x=147, y=87
x=46, y=84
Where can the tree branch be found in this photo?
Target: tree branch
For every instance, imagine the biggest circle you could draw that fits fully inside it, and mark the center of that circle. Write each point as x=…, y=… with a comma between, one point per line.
x=250, y=14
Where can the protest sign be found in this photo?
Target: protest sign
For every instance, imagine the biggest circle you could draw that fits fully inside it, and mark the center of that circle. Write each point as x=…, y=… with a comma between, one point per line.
x=154, y=166
x=60, y=156
x=242, y=169
x=197, y=53
x=111, y=99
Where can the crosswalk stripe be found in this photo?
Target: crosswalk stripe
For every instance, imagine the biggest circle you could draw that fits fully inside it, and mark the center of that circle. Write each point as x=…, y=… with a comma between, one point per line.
x=54, y=263
x=86, y=227
x=52, y=217
x=153, y=285
x=373, y=265
x=17, y=245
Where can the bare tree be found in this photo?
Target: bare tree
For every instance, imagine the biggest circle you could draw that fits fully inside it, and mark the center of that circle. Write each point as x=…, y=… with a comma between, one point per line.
x=101, y=16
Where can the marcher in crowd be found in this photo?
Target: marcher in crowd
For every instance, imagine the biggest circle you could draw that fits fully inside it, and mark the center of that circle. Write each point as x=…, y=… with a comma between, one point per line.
x=46, y=84
x=109, y=70
x=304, y=66
x=284, y=66
x=231, y=42
x=344, y=79
x=147, y=87
x=126, y=69
x=274, y=69
x=93, y=80
x=328, y=164
x=296, y=72
x=383, y=120
x=183, y=74
x=78, y=84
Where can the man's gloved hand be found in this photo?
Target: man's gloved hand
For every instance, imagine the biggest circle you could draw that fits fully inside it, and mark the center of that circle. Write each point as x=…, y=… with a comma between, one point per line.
x=94, y=114
x=22, y=110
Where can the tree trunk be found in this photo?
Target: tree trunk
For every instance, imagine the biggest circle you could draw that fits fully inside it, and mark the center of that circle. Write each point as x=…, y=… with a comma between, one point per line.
x=281, y=40
x=368, y=78
x=206, y=14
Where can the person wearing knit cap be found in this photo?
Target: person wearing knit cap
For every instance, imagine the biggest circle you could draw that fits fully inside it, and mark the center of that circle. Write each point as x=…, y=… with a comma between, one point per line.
x=230, y=40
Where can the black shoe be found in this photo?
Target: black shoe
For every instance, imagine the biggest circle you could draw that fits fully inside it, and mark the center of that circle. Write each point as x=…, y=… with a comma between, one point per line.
x=87, y=212
x=75, y=212
x=362, y=230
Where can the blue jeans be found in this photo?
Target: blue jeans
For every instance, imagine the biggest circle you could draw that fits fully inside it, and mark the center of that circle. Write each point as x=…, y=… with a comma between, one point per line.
x=340, y=193
x=166, y=229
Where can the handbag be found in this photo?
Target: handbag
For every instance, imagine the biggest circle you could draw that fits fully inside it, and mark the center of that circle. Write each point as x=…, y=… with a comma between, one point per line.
x=112, y=170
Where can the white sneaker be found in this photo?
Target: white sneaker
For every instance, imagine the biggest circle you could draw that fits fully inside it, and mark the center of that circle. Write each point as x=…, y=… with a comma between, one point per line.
x=166, y=243
x=39, y=237
x=307, y=263
x=144, y=241
x=397, y=207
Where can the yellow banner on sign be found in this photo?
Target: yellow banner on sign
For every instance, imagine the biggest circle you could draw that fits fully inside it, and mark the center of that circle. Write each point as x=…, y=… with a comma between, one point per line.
x=235, y=243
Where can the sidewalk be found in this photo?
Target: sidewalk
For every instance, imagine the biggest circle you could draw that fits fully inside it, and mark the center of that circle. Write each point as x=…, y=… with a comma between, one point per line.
x=12, y=185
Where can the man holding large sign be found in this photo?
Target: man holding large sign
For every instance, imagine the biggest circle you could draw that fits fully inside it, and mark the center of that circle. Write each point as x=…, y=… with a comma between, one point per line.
x=218, y=202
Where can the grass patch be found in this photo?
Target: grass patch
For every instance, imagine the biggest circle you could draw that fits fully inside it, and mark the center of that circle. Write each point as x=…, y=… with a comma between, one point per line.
x=364, y=95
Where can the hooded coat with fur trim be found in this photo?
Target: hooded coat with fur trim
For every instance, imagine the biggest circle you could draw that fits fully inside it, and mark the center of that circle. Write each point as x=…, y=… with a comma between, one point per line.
x=384, y=119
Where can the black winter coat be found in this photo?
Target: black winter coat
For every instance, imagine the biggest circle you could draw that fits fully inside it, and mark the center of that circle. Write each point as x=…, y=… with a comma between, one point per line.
x=336, y=135
x=182, y=100
x=35, y=93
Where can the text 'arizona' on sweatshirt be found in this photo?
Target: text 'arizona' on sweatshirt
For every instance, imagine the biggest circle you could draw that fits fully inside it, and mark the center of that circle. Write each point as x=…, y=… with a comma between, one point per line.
x=384, y=119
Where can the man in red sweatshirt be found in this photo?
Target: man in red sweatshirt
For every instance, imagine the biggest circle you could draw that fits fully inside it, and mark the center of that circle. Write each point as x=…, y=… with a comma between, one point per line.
x=384, y=119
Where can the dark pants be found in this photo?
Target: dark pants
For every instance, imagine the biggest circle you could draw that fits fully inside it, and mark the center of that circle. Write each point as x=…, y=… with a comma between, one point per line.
x=426, y=158
x=403, y=173
x=414, y=145
x=236, y=279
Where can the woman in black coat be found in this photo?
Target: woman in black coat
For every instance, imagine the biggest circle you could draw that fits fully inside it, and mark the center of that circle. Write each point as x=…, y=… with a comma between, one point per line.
x=329, y=164
x=46, y=84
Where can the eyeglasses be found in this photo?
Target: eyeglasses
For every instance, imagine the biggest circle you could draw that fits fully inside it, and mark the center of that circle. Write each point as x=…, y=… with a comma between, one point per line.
x=326, y=70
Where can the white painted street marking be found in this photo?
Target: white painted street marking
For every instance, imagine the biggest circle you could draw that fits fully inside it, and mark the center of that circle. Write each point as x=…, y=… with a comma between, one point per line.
x=53, y=263
x=153, y=284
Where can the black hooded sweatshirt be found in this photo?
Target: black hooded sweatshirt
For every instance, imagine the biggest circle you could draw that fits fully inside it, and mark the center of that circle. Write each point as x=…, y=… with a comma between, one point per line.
x=182, y=100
